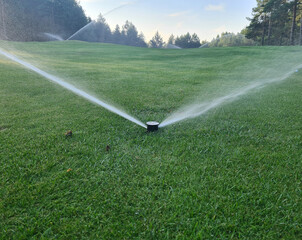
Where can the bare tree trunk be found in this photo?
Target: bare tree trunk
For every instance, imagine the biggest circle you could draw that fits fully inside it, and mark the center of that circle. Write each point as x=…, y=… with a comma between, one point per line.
x=3, y=21
x=301, y=31
x=53, y=16
x=269, y=30
x=264, y=30
x=293, y=28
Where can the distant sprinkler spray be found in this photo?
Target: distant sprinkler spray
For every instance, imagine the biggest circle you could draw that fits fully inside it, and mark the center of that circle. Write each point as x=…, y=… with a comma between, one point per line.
x=116, y=8
x=93, y=22
x=81, y=29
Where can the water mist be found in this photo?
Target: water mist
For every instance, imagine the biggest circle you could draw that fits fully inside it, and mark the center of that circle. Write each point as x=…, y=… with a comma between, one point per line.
x=72, y=88
x=197, y=109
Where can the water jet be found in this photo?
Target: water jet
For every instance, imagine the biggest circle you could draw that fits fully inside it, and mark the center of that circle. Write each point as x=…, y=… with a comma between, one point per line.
x=197, y=109
x=72, y=88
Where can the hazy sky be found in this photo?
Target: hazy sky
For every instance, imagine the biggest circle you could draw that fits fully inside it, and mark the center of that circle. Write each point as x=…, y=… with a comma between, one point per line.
x=207, y=18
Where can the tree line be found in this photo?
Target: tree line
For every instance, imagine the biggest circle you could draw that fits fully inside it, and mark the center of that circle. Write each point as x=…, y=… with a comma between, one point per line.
x=39, y=20
x=273, y=22
x=276, y=22
x=99, y=31
x=228, y=39
x=182, y=41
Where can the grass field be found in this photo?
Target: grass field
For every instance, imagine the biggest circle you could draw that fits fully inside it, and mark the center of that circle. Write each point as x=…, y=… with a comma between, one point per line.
x=233, y=173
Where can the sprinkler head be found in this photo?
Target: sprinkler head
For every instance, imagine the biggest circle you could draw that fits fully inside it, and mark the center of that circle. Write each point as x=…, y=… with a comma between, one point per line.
x=152, y=126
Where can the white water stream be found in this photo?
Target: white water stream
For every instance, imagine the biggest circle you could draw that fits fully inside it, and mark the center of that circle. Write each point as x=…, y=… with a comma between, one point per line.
x=72, y=88
x=197, y=109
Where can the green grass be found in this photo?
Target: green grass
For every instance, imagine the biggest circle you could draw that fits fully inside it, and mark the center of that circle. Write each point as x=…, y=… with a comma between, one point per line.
x=234, y=173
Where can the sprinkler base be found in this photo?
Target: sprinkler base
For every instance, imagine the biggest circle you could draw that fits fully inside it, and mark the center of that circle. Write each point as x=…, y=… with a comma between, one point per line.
x=152, y=126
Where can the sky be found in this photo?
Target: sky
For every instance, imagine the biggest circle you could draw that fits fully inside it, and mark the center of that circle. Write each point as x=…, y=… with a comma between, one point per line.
x=207, y=18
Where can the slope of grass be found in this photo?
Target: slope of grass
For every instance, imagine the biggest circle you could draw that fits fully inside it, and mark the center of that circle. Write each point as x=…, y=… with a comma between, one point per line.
x=233, y=173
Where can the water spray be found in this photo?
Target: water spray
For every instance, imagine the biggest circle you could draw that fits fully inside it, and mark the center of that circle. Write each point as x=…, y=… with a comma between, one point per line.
x=80, y=30
x=53, y=36
x=199, y=109
x=93, y=21
x=118, y=7
x=72, y=88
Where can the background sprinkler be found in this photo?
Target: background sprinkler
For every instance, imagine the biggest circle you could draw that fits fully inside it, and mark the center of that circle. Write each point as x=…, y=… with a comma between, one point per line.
x=152, y=126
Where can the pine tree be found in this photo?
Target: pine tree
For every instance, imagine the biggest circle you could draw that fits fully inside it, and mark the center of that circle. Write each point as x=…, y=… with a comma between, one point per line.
x=117, y=36
x=275, y=22
x=171, y=39
x=157, y=41
x=188, y=41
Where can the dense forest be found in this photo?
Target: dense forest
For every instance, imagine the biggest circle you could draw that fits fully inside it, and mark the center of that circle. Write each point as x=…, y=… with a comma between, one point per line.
x=276, y=22
x=28, y=20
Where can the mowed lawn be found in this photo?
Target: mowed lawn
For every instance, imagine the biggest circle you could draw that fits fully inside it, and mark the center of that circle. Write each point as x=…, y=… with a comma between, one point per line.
x=233, y=173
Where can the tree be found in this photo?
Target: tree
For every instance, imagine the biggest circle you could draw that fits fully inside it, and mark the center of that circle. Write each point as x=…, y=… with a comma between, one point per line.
x=69, y=16
x=260, y=22
x=293, y=27
x=171, y=39
x=117, y=35
x=3, y=34
x=300, y=38
x=130, y=36
x=275, y=22
x=157, y=41
x=195, y=41
x=279, y=15
x=102, y=29
x=141, y=40
x=231, y=40
x=188, y=41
